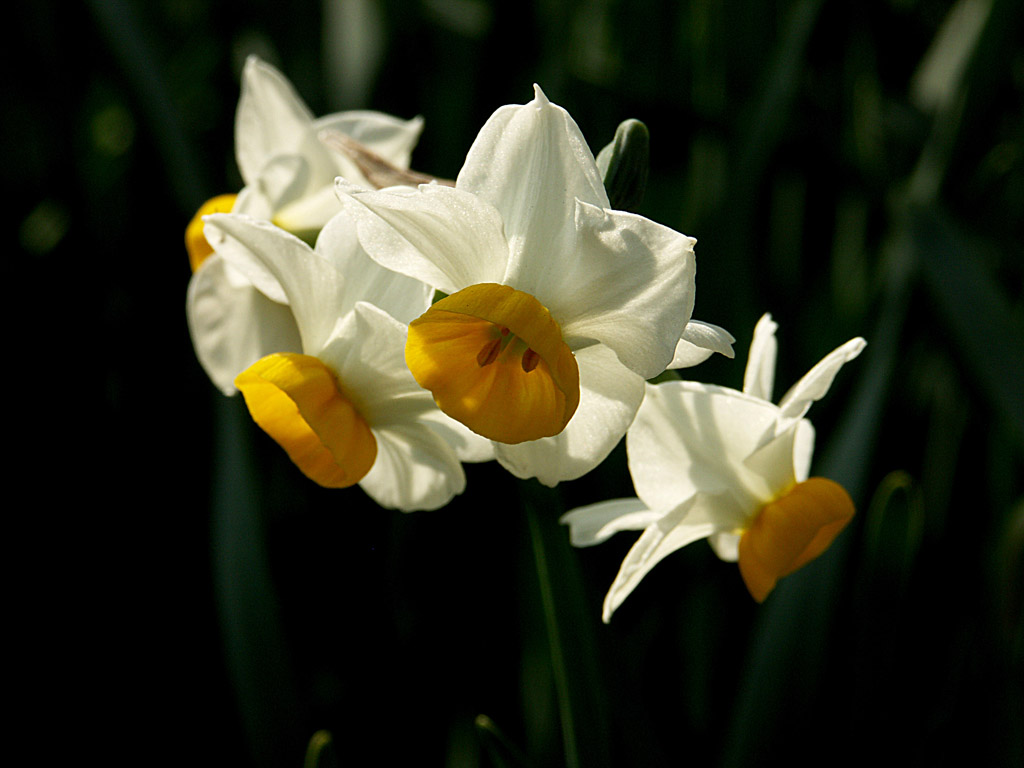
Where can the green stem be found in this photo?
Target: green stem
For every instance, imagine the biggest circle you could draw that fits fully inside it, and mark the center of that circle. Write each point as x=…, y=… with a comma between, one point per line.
x=554, y=639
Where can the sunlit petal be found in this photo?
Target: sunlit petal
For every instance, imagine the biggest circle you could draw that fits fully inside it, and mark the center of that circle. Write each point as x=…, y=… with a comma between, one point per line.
x=415, y=469
x=598, y=522
x=815, y=383
x=698, y=342
x=759, y=376
x=532, y=163
x=443, y=236
x=271, y=118
x=628, y=284
x=683, y=525
x=690, y=437
x=233, y=325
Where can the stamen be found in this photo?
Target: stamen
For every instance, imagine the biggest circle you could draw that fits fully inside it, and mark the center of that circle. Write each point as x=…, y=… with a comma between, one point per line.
x=530, y=360
x=489, y=352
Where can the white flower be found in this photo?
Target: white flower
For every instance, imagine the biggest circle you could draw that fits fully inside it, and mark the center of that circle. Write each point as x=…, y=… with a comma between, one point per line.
x=343, y=405
x=558, y=306
x=711, y=462
x=236, y=317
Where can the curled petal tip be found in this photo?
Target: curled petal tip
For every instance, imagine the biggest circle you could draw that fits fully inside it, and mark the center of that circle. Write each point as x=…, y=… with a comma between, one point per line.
x=539, y=97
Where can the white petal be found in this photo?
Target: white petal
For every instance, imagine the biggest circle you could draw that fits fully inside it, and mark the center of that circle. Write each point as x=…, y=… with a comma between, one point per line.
x=771, y=467
x=691, y=437
x=685, y=524
x=281, y=179
x=698, y=342
x=803, y=450
x=404, y=298
x=387, y=136
x=415, y=469
x=726, y=545
x=233, y=325
x=597, y=522
x=310, y=284
x=532, y=163
x=816, y=382
x=468, y=445
x=271, y=118
x=609, y=396
x=367, y=352
x=240, y=254
x=447, y=238
x=629, y=283
x=759, y=376
x=307, y=214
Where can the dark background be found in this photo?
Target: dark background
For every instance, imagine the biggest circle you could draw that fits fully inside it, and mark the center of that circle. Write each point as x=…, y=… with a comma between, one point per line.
x=181, y=595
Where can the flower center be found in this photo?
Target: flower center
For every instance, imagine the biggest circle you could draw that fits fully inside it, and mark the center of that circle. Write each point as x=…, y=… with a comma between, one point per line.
x=297, y=401
x=791, y=531
x=494, y=359
x=199, y=249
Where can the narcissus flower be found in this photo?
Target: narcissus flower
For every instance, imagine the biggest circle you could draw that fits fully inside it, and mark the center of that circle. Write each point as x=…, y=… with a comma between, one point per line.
x=558, y=307
x=289, y=177
x=343, y=405
x=711, y=462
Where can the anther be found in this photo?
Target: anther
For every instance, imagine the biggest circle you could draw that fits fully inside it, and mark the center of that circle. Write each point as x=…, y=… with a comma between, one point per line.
x=488, y=353
x=530, y=360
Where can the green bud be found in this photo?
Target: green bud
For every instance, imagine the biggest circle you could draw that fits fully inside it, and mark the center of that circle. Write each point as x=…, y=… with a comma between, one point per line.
x=623, y=164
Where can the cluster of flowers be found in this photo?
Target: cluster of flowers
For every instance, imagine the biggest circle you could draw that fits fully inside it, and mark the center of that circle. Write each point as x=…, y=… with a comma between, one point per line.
x=313, y=294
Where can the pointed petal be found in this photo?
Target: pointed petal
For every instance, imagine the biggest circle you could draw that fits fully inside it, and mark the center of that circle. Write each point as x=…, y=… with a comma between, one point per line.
x=240, y=254
x=597, y=522
x=310, y=284
x=445, y=237
x=532, y=163
x=698, y=342
x=816, y=382
x=691, y=437
x=684, y=525
x=609, y=397
x=629, y=284
x=415, y=469
x=803, y=449
x=271, y=118
x=233, y=325
x=759, y=376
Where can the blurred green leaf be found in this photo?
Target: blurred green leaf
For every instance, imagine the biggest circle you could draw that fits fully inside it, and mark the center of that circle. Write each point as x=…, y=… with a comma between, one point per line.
x=570, y=627
x=250, y=617
x=502, y=752
x=976, y=314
